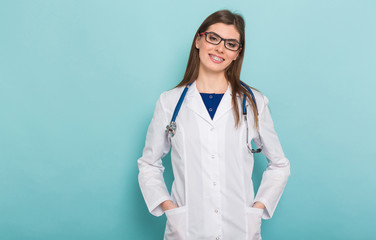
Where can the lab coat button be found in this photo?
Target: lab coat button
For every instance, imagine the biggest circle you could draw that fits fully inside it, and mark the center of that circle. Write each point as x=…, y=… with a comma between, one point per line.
x=216, y=211
x=214, y=183
x=212, y=156
x=212, y=129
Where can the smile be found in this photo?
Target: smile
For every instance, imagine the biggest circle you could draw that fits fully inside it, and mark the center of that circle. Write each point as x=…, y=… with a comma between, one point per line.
x=216, y=59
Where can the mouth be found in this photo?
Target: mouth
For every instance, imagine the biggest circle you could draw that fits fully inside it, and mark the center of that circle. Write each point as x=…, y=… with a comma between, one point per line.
x=216, y=58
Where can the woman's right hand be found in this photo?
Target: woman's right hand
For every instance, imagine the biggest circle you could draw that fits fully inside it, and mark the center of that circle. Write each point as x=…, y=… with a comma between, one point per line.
x=167, y=205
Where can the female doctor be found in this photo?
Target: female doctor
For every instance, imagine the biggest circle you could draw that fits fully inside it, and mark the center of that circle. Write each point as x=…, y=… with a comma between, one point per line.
x=211, y=117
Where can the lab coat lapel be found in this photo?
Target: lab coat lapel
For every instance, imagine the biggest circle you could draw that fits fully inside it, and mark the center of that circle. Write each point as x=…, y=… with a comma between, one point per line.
x=224, y=105
x=196, y=104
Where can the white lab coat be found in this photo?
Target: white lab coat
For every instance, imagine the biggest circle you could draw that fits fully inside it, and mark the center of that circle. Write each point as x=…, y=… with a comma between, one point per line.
x=212, y=168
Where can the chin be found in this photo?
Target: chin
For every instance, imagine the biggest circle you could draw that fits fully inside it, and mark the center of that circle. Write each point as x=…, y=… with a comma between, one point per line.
x=212, y=68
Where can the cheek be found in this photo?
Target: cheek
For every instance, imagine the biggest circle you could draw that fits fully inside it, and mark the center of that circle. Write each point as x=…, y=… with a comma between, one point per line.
x=232, y=55
x=204, y=50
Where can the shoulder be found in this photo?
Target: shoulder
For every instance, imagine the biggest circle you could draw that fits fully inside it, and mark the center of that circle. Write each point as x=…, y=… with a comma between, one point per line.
x=260, y=97
x=169, y=98
x=261, y=100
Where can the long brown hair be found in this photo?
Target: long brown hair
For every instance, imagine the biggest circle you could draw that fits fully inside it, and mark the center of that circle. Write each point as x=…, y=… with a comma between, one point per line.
x=232, y=72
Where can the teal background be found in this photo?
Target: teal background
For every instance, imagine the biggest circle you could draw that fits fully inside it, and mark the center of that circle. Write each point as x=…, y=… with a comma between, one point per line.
x=79, y=81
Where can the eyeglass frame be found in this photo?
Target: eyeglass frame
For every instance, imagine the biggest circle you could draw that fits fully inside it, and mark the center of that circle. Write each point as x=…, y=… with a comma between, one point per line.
x=222, y=39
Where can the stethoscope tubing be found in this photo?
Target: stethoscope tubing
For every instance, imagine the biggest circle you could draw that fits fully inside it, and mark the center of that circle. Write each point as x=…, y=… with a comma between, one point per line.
x=171, y=128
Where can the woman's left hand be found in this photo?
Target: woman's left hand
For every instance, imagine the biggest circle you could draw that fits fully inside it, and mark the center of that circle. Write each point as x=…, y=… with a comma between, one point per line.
x=258, y=205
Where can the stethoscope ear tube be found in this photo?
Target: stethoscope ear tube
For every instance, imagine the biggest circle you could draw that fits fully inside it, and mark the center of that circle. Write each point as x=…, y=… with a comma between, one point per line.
x=249, y=146
x=171, y=128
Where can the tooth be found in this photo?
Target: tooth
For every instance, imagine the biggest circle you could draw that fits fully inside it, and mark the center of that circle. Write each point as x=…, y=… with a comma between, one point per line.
x=217, y=58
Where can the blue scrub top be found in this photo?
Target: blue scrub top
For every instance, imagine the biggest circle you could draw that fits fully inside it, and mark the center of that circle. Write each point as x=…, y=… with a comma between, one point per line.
x=211, y=101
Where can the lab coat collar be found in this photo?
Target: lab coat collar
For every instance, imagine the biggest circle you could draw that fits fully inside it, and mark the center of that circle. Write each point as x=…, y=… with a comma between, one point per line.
x=196, y=104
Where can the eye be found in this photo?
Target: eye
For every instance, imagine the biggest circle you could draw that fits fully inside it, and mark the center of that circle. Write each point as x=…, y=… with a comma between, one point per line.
x=232, y=45
x=212, y=37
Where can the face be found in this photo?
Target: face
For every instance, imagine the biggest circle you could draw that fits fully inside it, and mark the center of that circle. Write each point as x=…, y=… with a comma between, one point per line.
x=216, y=58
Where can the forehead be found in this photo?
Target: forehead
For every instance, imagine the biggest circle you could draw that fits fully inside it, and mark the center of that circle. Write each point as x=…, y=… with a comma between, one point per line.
x=225, y=31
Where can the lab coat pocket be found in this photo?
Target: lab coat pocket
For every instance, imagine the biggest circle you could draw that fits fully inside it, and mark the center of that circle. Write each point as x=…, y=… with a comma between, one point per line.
x=176, y=223
x=254, y=223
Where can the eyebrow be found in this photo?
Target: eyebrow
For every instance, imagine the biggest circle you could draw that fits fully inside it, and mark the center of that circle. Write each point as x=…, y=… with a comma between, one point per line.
x=226, y=38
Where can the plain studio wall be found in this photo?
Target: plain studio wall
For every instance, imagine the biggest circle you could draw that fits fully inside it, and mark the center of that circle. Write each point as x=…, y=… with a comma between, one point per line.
x=78, y=85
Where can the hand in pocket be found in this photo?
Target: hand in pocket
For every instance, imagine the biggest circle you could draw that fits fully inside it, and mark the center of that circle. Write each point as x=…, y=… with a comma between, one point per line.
x=168, y=205
x=254, y=223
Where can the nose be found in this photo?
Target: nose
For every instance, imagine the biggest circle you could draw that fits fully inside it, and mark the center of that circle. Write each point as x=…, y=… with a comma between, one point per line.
x=220, y=47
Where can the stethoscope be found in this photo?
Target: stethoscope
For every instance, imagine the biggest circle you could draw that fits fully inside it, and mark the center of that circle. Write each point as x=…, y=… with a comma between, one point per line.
x=171, y=128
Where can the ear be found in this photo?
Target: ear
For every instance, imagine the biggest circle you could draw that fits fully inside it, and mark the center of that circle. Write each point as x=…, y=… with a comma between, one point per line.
x=197, y=41
x=237, y=55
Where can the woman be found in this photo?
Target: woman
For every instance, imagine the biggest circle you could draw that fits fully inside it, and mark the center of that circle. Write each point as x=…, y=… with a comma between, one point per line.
x=212, y=195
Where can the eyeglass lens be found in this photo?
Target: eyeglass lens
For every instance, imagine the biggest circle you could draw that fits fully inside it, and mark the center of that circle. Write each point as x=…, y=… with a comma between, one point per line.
x=215, y=39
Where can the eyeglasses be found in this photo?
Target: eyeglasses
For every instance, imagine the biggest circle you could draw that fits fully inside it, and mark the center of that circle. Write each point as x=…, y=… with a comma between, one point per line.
x=213, y=38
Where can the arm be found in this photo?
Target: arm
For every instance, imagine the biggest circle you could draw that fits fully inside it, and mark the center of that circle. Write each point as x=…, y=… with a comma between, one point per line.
x=275, y=177
x=150, y=176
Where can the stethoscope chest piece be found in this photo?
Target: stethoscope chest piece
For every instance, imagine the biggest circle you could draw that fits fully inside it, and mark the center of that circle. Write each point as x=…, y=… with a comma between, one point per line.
x=171, y=128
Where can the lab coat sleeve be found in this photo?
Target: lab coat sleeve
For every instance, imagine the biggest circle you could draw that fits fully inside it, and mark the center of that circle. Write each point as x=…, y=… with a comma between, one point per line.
x=150, y=176
x=275, y=176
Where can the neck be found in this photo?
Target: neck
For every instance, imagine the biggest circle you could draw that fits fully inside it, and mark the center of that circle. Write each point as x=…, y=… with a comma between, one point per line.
x=211, y=82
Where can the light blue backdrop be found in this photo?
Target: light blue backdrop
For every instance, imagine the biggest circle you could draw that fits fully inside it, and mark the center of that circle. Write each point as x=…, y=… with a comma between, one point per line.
x=78, y=85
